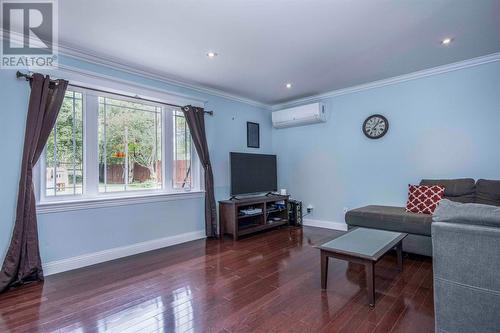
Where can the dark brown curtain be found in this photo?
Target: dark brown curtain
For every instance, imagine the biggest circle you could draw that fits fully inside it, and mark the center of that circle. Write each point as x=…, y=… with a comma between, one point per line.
x=22, y=263
x=195, y=118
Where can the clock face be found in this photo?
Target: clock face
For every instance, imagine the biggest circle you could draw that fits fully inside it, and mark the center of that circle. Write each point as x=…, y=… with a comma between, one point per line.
x=375, y=126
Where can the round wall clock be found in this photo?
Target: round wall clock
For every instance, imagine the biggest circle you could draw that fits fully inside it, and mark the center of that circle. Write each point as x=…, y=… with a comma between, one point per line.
x=375, y=126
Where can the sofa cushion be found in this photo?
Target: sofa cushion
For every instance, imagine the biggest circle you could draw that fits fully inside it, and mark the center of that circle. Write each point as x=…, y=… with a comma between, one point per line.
x=390, y=218
x=459, y=190
x=468, y=213
x=488, y=192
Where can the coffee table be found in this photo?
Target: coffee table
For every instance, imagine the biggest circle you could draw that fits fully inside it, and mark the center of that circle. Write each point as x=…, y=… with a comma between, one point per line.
x=362, y=246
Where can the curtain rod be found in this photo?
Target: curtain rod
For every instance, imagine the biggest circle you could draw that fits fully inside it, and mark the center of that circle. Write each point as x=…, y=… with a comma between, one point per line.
x=28, y=77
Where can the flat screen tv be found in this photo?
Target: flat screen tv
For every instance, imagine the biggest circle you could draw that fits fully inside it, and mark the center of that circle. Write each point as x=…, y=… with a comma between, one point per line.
x=253, y=173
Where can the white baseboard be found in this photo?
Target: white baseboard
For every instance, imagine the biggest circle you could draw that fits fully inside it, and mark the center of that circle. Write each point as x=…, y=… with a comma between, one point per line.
x=325, y=224
x=68, y=264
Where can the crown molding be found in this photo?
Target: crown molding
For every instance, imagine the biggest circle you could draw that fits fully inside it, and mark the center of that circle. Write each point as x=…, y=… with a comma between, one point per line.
x=117, y=85
x=134, y=69
x=393, y=80
x=142, y=71
x=120, y=65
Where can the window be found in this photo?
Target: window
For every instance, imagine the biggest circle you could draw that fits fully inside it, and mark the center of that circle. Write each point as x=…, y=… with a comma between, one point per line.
x=129, y=146
x=64, y=149
x=108, y=145
x=182, y=174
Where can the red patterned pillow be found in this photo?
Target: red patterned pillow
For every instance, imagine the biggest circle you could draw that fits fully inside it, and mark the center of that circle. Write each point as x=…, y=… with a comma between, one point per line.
x=424, y=199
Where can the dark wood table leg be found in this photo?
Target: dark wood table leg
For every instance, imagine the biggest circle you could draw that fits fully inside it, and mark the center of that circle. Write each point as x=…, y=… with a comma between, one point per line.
x=399, y=251
x=324, y=269
x=370, y=282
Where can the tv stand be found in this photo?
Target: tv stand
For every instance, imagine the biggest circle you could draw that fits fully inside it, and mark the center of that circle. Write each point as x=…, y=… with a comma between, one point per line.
x=273, y=213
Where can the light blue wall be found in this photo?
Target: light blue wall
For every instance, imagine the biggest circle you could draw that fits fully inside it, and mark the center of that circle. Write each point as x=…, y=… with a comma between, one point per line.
x=441, y=126
x=64, y=235
x=445, y=125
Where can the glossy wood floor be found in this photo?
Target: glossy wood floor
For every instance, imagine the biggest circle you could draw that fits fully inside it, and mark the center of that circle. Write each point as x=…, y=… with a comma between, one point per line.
x=267, y=283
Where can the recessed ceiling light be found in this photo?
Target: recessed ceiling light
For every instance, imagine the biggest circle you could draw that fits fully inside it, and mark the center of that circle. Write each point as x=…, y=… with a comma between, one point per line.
x=288, y=85
x=211, y=55
x=446, y=41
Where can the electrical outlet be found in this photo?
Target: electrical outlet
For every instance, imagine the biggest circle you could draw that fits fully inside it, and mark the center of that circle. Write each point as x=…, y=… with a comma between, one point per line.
x=309, y=208
x=346, y=210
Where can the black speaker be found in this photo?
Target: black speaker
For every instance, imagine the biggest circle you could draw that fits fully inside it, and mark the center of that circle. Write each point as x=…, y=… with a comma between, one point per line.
x=295, y=212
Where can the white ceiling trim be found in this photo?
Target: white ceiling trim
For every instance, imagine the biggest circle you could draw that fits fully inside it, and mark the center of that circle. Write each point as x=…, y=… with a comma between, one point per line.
x=112, y=84
x=119, y=65
x=144, y=72
x=148, y=74
x=394, y=80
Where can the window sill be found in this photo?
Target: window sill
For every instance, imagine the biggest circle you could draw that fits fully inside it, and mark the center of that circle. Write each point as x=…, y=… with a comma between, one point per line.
x=102, y=202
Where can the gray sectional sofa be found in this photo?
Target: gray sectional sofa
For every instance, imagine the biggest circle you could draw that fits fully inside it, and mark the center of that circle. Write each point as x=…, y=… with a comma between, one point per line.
x=466, y=265
x=418, y=226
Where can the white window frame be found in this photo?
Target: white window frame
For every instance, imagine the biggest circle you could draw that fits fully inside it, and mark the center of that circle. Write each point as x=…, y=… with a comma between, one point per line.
x=39, y=175
x=195, y=165
x=91, y=197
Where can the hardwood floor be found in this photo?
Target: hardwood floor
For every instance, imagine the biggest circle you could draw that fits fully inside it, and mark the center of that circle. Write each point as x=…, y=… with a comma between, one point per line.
x=266, y=283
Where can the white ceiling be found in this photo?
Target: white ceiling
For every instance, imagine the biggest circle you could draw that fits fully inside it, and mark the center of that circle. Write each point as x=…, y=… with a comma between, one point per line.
x=318, y=45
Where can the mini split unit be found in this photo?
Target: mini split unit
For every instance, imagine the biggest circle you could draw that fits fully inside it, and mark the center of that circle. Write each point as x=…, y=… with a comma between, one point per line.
x=299, y=115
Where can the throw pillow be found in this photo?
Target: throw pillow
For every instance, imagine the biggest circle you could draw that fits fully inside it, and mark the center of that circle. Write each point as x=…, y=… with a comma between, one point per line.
x=424, y=199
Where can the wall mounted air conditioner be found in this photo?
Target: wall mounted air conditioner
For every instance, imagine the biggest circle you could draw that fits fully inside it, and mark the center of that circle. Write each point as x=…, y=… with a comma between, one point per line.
x=300, y=115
